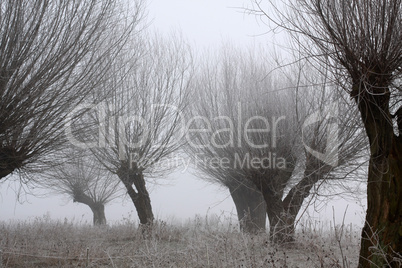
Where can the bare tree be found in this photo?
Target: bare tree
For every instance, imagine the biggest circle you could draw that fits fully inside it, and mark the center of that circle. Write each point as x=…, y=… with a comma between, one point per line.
x=52, y=55
x=211, y=135
x=363, y=42
x=83, y=179
x=231, y=126
x=139, y=128
x=251, y=122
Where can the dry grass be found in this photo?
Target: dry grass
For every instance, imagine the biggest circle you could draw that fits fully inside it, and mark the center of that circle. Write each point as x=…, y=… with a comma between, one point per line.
x=202, y=242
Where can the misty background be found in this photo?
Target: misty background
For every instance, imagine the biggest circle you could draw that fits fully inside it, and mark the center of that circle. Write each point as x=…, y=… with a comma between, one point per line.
x=205, y=24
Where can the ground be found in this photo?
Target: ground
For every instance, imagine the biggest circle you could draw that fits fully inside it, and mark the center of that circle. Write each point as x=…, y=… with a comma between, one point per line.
x=201, y=242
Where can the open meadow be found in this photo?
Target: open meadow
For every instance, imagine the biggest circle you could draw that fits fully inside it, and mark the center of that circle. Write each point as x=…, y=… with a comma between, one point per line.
x=201, y=242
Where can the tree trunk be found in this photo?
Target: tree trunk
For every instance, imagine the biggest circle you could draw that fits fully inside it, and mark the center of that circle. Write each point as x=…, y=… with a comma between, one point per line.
x=296, y=196
x=272, y=185
x=382, y=232
x=282, y=214
x=99, y=214
x=250, y=207
x=281, y=228
x=134, y=182
x=97, y=208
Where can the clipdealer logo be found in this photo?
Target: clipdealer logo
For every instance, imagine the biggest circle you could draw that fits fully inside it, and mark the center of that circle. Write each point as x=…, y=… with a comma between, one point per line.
x=330, y=155
x=243, y=129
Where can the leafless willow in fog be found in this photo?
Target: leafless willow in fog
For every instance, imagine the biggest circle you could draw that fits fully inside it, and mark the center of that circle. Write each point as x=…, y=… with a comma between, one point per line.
x=83, y=179
x=140, y=126
x=53, y=54
x=361, y=44
x=249, y=120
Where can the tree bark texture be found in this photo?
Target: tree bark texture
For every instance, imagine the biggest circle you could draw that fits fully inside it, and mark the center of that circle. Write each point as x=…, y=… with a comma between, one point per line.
x=250, y=207
x=382, y=233
x=133, y=180
x=293, y=201
x=281, y=226
x=282, y=212
x=98, y=211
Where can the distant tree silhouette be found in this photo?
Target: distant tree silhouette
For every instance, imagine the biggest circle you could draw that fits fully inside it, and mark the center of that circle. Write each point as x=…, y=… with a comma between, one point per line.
x=84, y=179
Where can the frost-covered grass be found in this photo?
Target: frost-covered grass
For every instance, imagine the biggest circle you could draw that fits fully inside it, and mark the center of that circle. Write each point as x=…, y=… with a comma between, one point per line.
x=201, y=242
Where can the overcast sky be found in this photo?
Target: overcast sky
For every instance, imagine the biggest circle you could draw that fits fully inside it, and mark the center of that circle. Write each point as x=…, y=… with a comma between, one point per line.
x=205, y=24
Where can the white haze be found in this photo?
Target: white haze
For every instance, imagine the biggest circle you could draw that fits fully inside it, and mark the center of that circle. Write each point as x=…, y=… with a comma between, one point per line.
x=206, y=24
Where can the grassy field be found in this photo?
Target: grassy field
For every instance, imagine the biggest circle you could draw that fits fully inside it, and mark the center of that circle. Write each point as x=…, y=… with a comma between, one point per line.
x=201, y=242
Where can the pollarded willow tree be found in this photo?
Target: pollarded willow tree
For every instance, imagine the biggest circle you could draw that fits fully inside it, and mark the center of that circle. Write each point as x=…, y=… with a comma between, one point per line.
x=138, y=129
x=332, y=140
x=254, y=130
x=82, y=178
x=363, y=42
x=237, y=138
x=52, y=55
x=214, y=137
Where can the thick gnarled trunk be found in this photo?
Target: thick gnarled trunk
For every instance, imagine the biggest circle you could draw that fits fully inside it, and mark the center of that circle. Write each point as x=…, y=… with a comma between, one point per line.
x=282, y=214
x=99, y=217
x=382, y=232
x=281, y=226
x=134, y=182
x=250, y=207
x=271, y=185
x=98, y=209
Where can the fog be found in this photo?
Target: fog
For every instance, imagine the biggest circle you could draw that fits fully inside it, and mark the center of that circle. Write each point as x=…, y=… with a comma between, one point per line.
x=181, y=196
